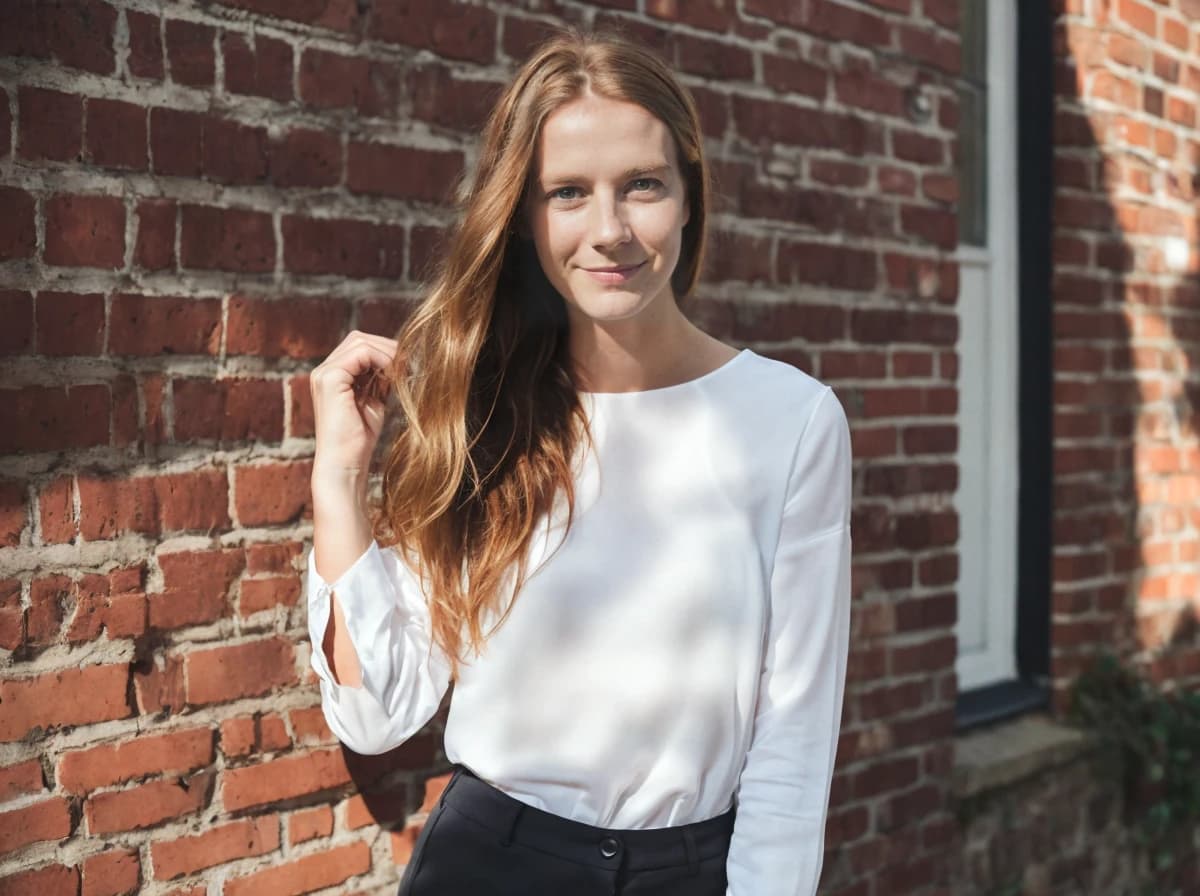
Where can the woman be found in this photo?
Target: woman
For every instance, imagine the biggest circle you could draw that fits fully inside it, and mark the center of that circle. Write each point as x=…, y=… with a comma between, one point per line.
x=625, y=542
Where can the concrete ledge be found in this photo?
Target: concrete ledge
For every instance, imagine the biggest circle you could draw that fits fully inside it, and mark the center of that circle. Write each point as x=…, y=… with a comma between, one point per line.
x=999, y=755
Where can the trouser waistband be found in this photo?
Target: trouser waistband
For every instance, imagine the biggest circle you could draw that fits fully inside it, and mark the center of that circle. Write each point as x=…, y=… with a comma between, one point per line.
x=636, y=850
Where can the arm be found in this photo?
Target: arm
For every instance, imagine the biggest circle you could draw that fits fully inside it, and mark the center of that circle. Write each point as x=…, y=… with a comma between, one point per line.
x=783, y=793
x=370, y=623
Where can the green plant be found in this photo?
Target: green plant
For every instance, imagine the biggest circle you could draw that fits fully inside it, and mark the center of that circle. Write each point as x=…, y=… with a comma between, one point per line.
x=1153, y=743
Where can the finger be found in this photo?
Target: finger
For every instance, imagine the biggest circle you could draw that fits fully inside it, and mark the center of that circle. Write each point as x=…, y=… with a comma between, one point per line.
x=354, y=362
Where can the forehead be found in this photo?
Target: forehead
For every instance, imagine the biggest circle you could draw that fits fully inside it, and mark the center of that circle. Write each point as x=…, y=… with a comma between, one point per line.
x=595, y=135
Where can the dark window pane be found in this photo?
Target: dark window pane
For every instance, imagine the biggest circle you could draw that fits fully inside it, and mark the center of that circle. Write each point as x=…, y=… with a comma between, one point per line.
x=973, y=126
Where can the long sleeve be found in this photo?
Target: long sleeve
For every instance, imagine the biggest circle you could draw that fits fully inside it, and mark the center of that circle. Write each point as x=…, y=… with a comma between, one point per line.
x=388, y=623
x=783, y=791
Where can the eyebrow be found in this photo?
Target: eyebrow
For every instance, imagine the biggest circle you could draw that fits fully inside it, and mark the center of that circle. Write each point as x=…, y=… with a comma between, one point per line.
x=629, y=174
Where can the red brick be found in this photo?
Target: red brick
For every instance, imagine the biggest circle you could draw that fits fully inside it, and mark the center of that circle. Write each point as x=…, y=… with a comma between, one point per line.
x=190, y=54
x=116, y=134
x=302, y=424
x=155, y=325
x=229, y=673
x=234, y=153
x=239, y=737
x=402, y=172
x=19, y=779
x=273, y=557
x=453, y=30
x=49, y=880
x=78, y=34
x=177, y=142
x=114, y=873
x=158, y=684
x=69, y=697
x=826, y=265
x=302, y=328
x=13, y=513
x=228, y=410
x=388, y=809
x=70, y=324
x=146, y=805
x=332, y=81
x=196, y=500
x=306, y=158
x=57, y=512
x=48, y=598
x=49, y=819
x=49, y=418
x=85, y=231
x=12, y=617
x=110, y=507
x=340, y=246
x=273, y=494
x=314, y=872
x=240, y=839
x=262, y=70
x=16, y=309
x=794, y=75
x=6, y=135
x=439, y=97
x=309, y=824
x=51, y=125
x=714, y=15
x=82, y=771
x=18, y=237
x=310, y=726
x=121, y=615
x=282, y=779
x=337, y=15
x=145, y=45
x=155, y=248
x=196, y=587
x=263, y=594
x=226, y=239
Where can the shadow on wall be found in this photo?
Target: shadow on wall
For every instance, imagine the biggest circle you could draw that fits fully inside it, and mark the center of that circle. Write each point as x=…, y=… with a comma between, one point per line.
x=1127, y=361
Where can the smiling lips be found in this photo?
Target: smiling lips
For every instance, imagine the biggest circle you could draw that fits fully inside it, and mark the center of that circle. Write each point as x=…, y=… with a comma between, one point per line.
x=615, y=273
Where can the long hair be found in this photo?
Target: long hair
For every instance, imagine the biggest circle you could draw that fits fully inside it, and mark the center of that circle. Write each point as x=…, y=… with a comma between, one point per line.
x=489, y=406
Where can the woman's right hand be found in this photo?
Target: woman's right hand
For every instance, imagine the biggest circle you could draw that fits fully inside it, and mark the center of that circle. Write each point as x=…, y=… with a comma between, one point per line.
x=348, y=392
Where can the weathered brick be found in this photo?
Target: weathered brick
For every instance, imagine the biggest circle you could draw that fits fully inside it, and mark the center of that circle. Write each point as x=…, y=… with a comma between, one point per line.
x=47, y=819
x=306, y=158
x=13, y=512
x=18, y=235
x=333, y=81
x=52, y=418
x=440, y=97
x=196, y=587
x=402, y=172
x=117, y=872
x=82, y=771
x=273, y=494
x=237, y=840
x=191, y=58
x=116, y=134
x=226, y=239
x=85, y=231
x=155, y=247
x=341, y=246
x=16, y=307
x=263, y=594
x=158, y=684
x=229, y=410
x=262, y=70
x=70, y=324
x=293, y=328
x=454, y=30
x=57, y=511
x=314, y=872
x=176, y=142
x=48, y=599
x=309, y=824
x=273, y=557
x=49, y=880
x=337, y=15
x=19, y=779
x=285, y=778
x=147, y=804
x=154, y=325
x=68, y=697
x=77, y=34
x=234, y=153
x=51, y=124
x=145, y=45
x=222, y=674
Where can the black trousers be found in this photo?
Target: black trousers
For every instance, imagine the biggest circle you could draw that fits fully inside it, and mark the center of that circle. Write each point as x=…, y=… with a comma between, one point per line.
x=478, y=841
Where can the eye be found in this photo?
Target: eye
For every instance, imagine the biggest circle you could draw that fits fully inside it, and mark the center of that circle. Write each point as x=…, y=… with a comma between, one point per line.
x=565, y=194
x=643, y=184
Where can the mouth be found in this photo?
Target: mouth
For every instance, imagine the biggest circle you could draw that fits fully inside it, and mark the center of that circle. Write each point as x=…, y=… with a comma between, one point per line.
x=615, y=273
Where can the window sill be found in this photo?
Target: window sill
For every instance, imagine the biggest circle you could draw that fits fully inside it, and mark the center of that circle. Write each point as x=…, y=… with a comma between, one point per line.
x=991, y=758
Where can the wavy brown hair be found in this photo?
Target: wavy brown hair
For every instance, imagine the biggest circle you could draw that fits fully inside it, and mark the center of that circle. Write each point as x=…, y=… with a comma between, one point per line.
x=490, y=410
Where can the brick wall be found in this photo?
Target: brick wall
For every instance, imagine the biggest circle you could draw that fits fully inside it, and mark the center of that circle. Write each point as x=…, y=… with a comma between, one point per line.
x=201, y=199
x=1127, y=328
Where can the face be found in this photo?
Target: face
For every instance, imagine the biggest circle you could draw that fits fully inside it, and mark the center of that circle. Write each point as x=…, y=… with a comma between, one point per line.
x=607, y=208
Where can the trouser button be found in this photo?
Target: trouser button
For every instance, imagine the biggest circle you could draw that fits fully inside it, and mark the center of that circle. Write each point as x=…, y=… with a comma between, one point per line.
x=609, y=847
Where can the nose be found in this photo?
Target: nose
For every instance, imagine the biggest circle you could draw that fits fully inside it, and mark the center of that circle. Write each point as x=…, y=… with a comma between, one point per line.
x=609, y=227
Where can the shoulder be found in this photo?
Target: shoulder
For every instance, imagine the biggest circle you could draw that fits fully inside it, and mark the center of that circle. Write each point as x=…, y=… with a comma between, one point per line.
x=789, y=394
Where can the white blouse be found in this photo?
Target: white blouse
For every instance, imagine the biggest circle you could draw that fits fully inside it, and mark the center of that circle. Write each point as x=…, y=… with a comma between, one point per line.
x=683, y=647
